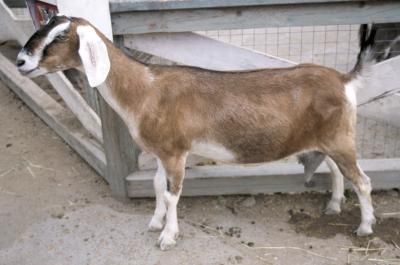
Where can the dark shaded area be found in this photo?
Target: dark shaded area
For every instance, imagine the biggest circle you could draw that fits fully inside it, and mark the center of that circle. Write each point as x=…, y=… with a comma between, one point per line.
x=386, y=33
x=327, y=226
x=15, y=3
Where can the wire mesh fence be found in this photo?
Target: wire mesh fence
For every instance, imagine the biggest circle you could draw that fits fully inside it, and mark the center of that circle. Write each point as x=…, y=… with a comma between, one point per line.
x=334, y=46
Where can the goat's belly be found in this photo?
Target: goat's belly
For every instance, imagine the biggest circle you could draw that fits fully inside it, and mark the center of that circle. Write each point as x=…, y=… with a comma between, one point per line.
x=214, y=151
x=220, y=153
x=245, y=152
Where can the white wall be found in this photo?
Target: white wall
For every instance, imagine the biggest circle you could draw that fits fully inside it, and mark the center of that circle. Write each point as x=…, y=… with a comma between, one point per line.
x=96, y=11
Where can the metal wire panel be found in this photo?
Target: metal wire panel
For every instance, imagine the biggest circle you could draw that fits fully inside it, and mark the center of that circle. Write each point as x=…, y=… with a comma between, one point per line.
x=334, y=46
x=376, y=139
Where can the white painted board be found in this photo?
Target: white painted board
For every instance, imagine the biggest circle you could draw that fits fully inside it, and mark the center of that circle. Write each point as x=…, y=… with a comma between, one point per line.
x=196, y=50
x=95, y=11
x=262, y=178
x=383, y=78
x=13, y=27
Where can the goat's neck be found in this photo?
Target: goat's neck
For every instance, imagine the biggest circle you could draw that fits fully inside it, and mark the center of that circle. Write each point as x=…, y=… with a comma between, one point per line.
x=128, y=81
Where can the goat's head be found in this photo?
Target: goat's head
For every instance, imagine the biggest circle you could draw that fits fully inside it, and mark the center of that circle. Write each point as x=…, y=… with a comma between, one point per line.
x=65, y=43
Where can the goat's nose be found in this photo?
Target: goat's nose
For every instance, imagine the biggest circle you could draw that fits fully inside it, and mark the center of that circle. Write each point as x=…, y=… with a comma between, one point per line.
x=20, y=62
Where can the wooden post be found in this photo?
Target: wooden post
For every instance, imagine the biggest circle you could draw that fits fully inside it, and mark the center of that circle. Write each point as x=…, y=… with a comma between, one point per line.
x=121, y=153
x=90, y=94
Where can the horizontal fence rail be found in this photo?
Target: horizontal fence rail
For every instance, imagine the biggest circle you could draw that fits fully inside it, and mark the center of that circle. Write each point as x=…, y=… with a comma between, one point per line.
x=223, y=17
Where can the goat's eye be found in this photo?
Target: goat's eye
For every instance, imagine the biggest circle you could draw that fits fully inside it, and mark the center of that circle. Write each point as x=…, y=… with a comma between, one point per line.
x=61, y=37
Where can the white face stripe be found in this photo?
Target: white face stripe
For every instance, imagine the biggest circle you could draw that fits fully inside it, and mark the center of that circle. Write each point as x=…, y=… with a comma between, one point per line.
x=55, y=32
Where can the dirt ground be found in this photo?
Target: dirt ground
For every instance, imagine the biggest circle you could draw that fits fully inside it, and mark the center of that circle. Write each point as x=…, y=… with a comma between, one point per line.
x=55, y=210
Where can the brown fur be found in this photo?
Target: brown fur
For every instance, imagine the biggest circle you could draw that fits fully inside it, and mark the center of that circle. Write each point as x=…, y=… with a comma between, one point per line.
x=260, y=122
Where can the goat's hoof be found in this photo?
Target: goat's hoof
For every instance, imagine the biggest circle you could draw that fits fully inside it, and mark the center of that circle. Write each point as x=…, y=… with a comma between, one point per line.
x=155, y=225
x=309, y=184
x=167, y=240
x=333, y=206
x=363, y=231
x=330, y=211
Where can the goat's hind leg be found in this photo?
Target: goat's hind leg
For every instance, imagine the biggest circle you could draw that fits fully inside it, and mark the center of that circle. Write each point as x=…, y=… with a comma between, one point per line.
x=347, y=164
x=311, y=161
x=160, y=186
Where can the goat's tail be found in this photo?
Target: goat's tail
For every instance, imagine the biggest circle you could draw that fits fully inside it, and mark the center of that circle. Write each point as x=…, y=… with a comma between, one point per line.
x=369, y=52
x=367, y=55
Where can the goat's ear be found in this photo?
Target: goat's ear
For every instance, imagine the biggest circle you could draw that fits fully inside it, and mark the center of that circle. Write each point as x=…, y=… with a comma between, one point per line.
x=94, y=55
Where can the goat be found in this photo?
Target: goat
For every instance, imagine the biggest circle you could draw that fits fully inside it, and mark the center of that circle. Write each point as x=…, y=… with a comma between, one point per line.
x=244, y=117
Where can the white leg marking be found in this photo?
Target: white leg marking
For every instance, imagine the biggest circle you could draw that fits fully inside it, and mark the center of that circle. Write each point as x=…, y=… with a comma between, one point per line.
x=170, y=233
x=160, y=186
x=333, y=206
x=367, y=210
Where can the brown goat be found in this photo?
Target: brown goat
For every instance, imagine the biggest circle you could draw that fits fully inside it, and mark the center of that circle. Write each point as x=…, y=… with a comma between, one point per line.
x=245, y=117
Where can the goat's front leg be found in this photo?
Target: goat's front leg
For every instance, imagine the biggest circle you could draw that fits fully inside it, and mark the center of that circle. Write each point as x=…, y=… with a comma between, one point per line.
x=175, y=170
x=160, y=186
